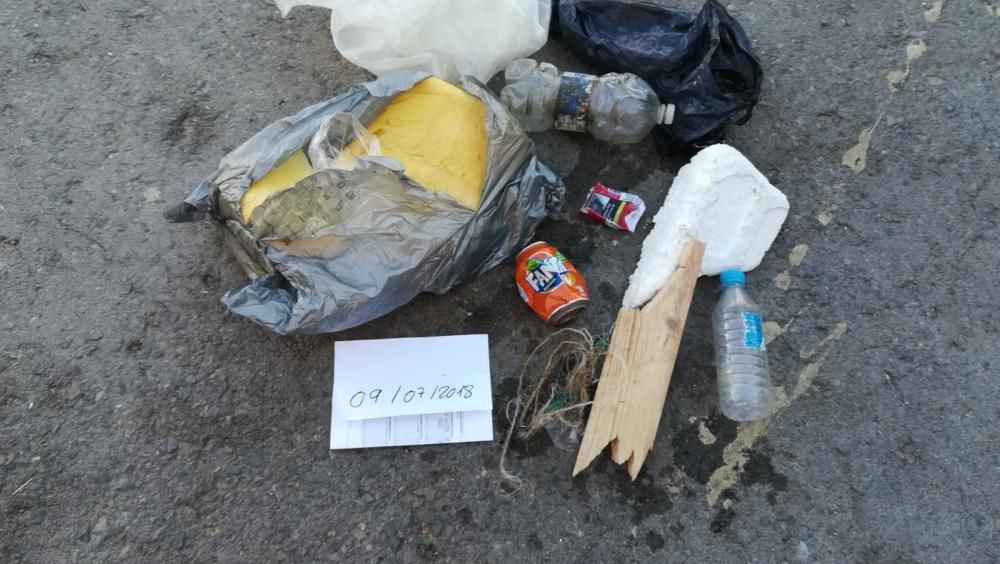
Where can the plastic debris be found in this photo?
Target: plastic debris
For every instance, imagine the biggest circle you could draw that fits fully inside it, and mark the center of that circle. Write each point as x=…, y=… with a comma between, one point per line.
x=743, y=377
x=718, y=198
x=339, y=248
x=703, y=63
x=447, y=38
x=618, y=108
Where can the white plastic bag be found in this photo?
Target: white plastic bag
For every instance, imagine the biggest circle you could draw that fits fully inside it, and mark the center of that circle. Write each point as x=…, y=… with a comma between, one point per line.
x=447, y=38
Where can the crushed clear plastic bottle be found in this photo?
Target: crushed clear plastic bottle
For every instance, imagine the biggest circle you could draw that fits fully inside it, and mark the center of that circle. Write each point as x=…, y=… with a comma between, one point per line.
x=564, y=436
x=745, y=392
x=617, y=108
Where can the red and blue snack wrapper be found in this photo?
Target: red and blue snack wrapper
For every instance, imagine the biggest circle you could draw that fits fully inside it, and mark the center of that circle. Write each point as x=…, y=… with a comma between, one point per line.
x=620, y=210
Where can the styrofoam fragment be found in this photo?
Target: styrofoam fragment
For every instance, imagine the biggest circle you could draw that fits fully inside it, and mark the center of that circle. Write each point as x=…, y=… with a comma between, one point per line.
x=721, y=199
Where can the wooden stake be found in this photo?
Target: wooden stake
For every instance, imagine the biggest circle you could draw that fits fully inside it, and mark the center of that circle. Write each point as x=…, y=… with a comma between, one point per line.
x=633, y=386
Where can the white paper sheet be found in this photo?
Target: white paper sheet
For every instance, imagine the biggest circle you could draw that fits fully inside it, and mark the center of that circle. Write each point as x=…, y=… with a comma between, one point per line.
x=394, y=392
x=436, y=428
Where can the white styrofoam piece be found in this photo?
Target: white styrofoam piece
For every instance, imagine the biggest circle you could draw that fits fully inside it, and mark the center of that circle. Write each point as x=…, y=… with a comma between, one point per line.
x=721, y=199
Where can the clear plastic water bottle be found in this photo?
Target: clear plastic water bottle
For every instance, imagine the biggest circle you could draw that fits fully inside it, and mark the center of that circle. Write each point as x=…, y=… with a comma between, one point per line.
x=745, y=392
x=618, y=108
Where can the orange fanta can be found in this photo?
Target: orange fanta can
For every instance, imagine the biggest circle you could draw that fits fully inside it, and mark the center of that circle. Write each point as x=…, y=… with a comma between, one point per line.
x=549, y=283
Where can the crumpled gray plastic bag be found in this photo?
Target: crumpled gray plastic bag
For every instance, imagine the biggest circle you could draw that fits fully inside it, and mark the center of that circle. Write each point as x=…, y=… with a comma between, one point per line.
x=343, y=247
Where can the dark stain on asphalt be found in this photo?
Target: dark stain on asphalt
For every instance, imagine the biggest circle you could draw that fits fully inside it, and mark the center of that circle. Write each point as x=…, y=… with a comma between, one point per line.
x=697, y=459
x=580, y=485
x=572, y=238
x=427, y=551
x=607, y=292
x=535, y=542
x=760, y=470
x=579, y=252
x=134, y=345
x=466, y=518
x=725, y=516
x=642, y=495
x=497, y=309
x=191, y=127
x=654, y=541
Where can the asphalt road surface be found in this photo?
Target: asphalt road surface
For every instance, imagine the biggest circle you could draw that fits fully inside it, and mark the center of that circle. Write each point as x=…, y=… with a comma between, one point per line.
x=139, y=422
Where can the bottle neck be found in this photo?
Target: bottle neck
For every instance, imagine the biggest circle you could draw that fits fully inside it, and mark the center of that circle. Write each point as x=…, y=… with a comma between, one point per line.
x=728, y=285
x=665, y=115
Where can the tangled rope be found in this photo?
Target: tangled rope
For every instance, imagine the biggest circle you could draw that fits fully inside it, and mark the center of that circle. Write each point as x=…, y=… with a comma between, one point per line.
x=560, y=392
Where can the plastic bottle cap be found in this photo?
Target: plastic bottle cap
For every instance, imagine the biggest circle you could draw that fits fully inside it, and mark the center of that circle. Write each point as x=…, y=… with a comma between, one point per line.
x=666, y=114
x=732, y=277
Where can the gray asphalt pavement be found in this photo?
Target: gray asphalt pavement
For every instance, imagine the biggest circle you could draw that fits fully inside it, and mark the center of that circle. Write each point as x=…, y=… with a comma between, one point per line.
x=141, y=423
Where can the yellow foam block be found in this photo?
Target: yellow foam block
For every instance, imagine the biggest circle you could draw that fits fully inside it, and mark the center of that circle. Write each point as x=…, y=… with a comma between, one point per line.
x=435, y=129
x=438, y=132
x=285, y=175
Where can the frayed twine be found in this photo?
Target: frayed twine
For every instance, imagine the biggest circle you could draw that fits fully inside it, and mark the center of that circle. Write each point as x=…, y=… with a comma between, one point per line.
x=559, y=393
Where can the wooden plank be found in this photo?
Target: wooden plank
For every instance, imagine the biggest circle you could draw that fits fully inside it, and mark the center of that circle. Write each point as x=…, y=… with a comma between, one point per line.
x=633, y=387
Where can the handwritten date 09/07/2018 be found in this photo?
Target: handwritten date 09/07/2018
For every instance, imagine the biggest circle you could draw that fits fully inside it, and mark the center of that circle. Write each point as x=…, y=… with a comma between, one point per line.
x=439, y=392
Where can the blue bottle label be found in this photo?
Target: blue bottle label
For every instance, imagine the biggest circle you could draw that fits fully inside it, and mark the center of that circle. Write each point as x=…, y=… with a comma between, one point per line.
x=573, y=101
x=753, y=331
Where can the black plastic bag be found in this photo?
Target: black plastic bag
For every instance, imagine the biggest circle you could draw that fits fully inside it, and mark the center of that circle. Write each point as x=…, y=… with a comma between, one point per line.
x=702, y=63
